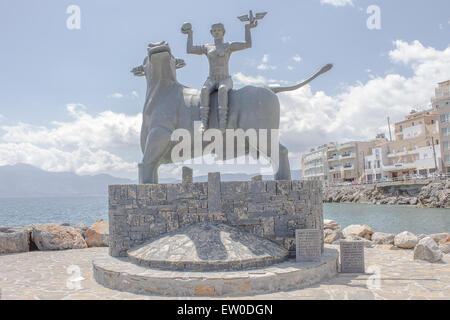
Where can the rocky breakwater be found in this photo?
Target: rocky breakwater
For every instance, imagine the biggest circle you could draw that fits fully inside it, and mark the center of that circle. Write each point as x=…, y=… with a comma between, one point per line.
x=432, y=195
x=426, y=247
x=53, y=237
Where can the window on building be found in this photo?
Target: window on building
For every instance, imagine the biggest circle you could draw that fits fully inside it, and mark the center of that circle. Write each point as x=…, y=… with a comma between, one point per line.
x=446, y=145
x=446, y=132
x=445, y=117
x=447, y=158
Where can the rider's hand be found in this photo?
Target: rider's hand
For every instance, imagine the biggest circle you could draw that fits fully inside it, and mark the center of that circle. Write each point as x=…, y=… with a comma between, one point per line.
x=252, y=24
x=186, y=28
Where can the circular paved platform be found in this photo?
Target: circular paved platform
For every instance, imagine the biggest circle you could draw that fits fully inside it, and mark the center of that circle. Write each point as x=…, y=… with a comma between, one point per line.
x=207, y=247
x=120, y=274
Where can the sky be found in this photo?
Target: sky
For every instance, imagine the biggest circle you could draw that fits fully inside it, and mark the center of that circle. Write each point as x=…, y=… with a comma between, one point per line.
x=68, y=101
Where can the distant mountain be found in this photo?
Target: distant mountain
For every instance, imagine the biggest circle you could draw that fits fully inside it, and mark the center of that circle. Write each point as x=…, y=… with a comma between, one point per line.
x=22, y=180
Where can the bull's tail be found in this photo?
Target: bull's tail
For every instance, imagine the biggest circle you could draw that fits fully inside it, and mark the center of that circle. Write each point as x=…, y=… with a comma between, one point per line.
x=298, y=86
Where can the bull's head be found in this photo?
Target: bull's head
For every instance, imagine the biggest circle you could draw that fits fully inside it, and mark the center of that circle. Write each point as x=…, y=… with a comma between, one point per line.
x=157, y=53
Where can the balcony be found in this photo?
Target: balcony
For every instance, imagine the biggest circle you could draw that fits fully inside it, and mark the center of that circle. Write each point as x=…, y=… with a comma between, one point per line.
x=333, y=157
x=400, y=166
x=335, y=169
x=348, y=155
x=403, y=153
x=313, y=165
x=348, y=168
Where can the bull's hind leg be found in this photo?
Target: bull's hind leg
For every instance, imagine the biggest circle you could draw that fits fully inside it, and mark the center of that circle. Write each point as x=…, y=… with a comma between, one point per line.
x=156, y=146
x=284, y=170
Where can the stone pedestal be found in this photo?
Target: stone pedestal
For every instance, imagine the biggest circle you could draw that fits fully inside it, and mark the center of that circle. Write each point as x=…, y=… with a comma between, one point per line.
x=215, y=238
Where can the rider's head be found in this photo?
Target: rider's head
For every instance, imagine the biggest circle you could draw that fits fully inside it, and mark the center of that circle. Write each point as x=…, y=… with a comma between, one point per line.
x=217, y=30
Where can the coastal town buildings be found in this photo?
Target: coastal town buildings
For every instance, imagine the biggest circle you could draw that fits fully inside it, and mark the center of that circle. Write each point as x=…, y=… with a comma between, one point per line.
x=337, y=162
x=420, y=147
x=415, y=150
x=441, y=105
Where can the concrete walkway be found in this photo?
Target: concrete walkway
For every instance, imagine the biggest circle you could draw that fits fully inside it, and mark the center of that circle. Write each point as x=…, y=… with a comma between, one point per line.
x=391, y=274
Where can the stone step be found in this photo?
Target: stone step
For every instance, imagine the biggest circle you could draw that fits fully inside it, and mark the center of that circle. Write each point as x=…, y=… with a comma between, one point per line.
x=120, y=274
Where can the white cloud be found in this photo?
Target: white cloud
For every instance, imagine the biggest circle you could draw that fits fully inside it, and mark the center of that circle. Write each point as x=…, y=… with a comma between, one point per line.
x=290, y=68
x=88, y=144
x=116, y=96
x=311, y=118
x=264, y=64
x=297, y=58
x=242, y=79
x=104, y=130
x=80, y=161
x=338, y=3
x=134, y=94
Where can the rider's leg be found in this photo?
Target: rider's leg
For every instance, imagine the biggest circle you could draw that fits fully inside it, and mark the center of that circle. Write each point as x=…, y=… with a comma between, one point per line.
x=204, y=103
x=224, y=86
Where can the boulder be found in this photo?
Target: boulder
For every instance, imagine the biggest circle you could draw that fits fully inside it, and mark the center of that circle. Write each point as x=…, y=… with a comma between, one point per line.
x=405, y=240
x=445, y=248
x=55, y=237
x=403, y=200
x=13, y=240
x=357, y=230
x=383, y=238
x=444, y=245
x=421, y=236
x=427, y=250
x=331, y=236
x=331, y=224
x=438, y=237
x=97, y=234
x=83, y=229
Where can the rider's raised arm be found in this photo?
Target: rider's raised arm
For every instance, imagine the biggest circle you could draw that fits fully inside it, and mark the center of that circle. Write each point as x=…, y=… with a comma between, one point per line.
x=190, y=45
x=236, y=46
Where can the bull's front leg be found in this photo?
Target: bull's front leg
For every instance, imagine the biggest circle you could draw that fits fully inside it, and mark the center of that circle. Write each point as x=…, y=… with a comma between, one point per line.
x=156, y=146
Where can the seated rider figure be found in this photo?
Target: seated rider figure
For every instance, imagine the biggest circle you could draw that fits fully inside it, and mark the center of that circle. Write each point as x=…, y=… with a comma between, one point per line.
x=219, y=77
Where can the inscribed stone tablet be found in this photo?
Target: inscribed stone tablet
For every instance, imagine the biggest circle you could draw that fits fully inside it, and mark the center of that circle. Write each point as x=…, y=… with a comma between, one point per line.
x=308, y=245
x=352, y=256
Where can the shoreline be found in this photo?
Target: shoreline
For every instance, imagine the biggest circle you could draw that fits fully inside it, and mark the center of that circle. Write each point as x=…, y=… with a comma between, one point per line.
x=435, y=194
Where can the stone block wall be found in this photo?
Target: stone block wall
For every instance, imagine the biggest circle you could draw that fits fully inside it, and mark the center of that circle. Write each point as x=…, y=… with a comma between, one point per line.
x=269, y=209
